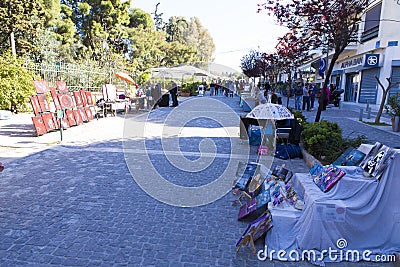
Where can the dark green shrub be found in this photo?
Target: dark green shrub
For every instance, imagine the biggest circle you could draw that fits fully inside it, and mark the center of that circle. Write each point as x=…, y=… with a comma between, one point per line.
x=16, y=84
x=325, y=142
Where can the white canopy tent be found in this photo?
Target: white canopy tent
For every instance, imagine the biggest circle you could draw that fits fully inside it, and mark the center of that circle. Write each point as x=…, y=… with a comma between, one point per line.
x=180, y=72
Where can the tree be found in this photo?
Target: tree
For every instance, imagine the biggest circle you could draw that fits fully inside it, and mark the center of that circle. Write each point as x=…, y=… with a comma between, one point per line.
x=175, y=27
x=101, y=26
x=191, y=33
x=158, y=21
x=15, y=83
x=139, y=18
x=20, y=19
x=384, y=96
x=198, y=36
x=292, y=52
x=311, y=20
x=251, y=64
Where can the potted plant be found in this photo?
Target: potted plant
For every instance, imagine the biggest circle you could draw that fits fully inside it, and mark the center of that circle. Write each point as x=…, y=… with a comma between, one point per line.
x=185, y=91
x=393, y=109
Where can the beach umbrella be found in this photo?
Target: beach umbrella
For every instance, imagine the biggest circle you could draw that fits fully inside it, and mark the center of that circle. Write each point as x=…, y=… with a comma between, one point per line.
x=124, y=77
x=270, y=111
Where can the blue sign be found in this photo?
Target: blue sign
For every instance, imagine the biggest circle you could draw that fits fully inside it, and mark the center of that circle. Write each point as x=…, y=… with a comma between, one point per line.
x=371, y=60
x=322, y=67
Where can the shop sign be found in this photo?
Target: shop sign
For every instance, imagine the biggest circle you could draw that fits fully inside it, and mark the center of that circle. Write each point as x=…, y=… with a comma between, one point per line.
x=352, y=63
x=371, y=60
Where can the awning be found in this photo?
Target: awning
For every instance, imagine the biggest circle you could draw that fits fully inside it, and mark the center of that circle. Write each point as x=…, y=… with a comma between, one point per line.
x=337, y=72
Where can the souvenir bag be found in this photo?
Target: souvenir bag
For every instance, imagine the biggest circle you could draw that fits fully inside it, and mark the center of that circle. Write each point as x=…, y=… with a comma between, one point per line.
x=70, y=117
x=54, y=96
x=89, y=98
x=62, y=87
x=329, y=176
x=43, y=103
x=48, y=121
x=316, y=169
x=41, y=87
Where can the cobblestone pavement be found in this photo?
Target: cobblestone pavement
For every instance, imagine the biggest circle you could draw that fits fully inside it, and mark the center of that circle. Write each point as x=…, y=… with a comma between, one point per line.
x=76, y=204
x=348, y=119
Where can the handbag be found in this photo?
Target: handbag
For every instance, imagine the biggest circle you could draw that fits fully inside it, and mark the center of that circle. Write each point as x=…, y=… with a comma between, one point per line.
x=262, y=150
x=328, y=177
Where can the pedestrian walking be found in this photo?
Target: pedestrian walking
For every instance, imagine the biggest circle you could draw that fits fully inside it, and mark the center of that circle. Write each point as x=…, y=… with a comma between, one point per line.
x=312, y=90
x=306, y=97
x=298, y=93
x=212, y=88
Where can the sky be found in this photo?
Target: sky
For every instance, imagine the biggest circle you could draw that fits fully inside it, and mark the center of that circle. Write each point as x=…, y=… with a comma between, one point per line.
x=234, y=25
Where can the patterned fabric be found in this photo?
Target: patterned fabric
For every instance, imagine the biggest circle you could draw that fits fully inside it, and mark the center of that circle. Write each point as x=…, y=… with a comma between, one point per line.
x=270, y=111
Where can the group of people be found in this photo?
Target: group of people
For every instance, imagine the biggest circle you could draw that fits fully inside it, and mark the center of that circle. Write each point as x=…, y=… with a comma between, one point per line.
x=305, y=96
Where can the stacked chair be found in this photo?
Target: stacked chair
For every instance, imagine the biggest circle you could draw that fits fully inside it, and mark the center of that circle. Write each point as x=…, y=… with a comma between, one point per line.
x=77, y=107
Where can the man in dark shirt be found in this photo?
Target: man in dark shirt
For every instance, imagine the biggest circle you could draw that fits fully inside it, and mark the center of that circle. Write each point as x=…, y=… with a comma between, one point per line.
x=174, y=94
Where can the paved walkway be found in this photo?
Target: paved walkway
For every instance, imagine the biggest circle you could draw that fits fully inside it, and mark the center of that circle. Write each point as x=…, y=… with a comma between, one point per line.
x=76, y=204
x=348, y=119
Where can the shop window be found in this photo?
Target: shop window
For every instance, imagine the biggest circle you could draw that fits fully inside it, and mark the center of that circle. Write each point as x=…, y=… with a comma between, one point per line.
x=371, y=26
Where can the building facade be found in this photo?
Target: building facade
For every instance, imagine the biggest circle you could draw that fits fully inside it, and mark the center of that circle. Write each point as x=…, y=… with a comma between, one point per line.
x=377, y=52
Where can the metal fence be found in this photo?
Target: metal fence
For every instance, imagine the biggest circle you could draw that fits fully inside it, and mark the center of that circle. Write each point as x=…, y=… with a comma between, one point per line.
x=76, y=76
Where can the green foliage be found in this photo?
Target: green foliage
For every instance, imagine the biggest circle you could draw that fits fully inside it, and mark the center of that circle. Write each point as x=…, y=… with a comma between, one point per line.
x=393, y=105
x=23, y=18
x=191, y=33
x=299, y=116
x=325, y=142
x=16, y=83
x=190, y=88
x=139, y=18
x=322, y=140
x=110, y=33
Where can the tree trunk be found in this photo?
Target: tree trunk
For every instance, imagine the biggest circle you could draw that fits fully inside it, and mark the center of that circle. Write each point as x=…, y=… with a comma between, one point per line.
x=12, y=41
x=383, y=100
x=382, y=105
x=326, y=82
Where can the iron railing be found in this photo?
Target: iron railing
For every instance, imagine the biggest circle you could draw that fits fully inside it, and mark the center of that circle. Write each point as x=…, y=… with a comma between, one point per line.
x=76, y=76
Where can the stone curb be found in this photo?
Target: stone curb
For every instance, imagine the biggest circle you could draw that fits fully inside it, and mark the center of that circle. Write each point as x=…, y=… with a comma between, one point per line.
x=307, y=157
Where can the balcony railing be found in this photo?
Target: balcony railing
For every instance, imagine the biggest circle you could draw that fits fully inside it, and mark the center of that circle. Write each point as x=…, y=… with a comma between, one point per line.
x=370, y=34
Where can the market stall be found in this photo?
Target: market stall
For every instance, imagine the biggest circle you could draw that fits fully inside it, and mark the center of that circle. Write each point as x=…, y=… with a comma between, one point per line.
x=346, y=213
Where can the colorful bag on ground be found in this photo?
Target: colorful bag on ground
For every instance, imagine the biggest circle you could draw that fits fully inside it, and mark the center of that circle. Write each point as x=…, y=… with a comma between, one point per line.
x=262, y=150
